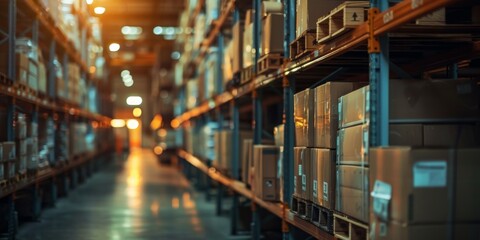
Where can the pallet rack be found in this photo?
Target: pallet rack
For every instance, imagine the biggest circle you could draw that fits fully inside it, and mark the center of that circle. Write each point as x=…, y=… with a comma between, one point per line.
x=366, y=53
x=28, y=17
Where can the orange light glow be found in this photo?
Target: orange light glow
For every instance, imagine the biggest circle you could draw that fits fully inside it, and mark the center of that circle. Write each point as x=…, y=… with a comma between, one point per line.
x=158, y=150
x=156, y=122
x=175, y=202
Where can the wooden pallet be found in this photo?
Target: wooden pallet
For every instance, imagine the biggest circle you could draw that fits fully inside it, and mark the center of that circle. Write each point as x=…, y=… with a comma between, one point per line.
x=341, y=19
x=246, y=75
x=25, y=90
x=347, y=228
x=302, y=208
x=322, y=217
x=269, y=63
x=4, y=80
x=304, y=44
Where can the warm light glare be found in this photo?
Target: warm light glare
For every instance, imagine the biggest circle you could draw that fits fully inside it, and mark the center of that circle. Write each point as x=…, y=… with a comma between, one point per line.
x=137, y=112
x=114, y=47
x=158, y=150
x=156, y=122
x=89, y=2
x=132, y=124
x=99, y=10
x=117, y=123
x=162, y=133
x=134, y=100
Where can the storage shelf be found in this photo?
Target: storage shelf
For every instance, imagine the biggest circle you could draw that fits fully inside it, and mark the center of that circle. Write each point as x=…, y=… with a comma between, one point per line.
x=276, y=208
x=46, y=20
x=398, y=15
x=23, y=96
x=51, y=172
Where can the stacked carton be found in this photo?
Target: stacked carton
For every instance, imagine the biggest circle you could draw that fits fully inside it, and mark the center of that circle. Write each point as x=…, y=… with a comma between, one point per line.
x=265, y=164
x=21, y=143
x=7, y=161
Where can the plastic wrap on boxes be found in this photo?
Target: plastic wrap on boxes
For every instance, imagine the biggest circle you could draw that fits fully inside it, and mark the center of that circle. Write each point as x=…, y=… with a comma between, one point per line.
x=352, y=191
x=265, y=159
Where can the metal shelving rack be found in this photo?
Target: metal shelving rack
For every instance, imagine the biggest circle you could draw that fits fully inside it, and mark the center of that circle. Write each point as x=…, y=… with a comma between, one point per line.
x=371, y=39
x=44, y=32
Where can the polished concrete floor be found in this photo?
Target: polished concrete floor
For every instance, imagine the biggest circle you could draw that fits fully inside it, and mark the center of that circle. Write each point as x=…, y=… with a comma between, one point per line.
x=134, y=198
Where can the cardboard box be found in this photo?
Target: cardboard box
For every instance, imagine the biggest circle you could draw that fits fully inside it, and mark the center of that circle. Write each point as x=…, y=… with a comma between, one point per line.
x=445, y=101
x=272, y=34
x=398, y=231
x=354, y=108
x=303, y=117
x=323, y=177
x=9, y=151
x=446, y=135
x=248, y=51
x=352, y=192
x=265, y=160
x=352, y=146
x=406, y=134
x=9, y=170
x=278, y=134
x=247, y=162
x=414, y=184
x=302, y=173
x=326, y=112
x=308, y=12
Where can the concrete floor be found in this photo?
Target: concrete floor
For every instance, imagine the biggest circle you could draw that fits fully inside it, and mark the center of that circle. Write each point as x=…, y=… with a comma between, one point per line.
x=131, y=199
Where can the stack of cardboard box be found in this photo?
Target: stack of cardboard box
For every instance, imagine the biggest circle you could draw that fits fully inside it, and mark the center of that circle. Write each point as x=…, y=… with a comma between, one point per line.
x=8, y=158
x=21, y=143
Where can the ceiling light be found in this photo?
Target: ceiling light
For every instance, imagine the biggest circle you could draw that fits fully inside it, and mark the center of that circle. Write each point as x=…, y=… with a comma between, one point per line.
x=99, y=10
x=114, y=47
x=157, y=30
x=127, y=78
x=89, y=2
x=170, y=31
x=175, y=55
x=137, y=112
x=134, y=100
x=128, y=84
x=132, y=124
x=131, y=30
x=117, y=123
x=124, y=73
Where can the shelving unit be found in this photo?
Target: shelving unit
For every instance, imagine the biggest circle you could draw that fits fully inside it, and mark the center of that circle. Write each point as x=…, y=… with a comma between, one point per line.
x=368, y=53
x=28, y=18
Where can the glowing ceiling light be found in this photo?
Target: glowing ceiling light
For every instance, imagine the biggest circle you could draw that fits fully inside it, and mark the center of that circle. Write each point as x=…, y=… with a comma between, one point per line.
x=137, y=112
x=131, y=30
x=170, y=31
x=127, y=78
x=114, y=47
x=89, y=2
x=124, y=73
x=134, y=100
x=99, y=10
x=157, y=30
x=117, y=123
x=132, y=124
x=128, y=84
x=175, y=55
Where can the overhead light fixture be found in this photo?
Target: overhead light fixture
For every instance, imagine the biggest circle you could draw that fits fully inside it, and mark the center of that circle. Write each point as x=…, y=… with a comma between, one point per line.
x=158, y=30
x=114, y=47
x=127, y=78
x=99, y=10
x=170, y=31
x=128, y=84
x=134, y=100
x=124, y=73
x=137, y=112
x=117, y=123
x=131, y=30
x=132, y=124
x=175, y=55
x=89, y=2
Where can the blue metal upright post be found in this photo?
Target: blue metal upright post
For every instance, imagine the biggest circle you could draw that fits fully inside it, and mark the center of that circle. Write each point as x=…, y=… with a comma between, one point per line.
x=379, y=87
x=235, y=164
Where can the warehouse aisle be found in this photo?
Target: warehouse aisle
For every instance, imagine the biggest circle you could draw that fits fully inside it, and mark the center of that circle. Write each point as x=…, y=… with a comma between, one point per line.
x=132, y=199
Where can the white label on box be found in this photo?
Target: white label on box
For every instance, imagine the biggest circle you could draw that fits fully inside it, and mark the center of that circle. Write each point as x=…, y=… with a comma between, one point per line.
x=299, y=169
x=430, y=174
x=325, y=191
x=382, y=194
x=315, y=188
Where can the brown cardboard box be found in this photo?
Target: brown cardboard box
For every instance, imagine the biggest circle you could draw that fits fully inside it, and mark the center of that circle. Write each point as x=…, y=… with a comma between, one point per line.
x=247, y=162
x=406, y=134
x=237, y=47
x=308, y=12
x=302, y=173
x=398, y=231
x=272, y=34
x=417, y=101
x=9, y=151
x=278, y=134
x=303, y=117
x=248, y=51
x=418, y=180
x=352, y=191
x=326, y=112
x=323, y=177
x=445, y=135
x=265, y=160
x=352, y=147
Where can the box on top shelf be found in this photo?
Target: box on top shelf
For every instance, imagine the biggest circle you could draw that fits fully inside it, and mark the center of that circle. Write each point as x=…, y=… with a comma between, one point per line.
x=326, y=112
x=265, y=160
x=413, y=101
x=278, y=133
x=352, y=191
x=413, y=185
x=308, y=12
x=248, y=51
x=272, y=34
x=323, y=177
x=303, y=118
x=237, y=47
